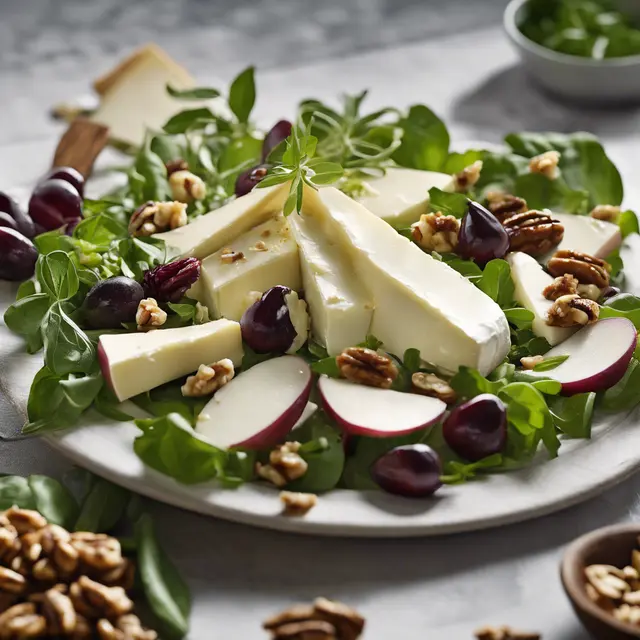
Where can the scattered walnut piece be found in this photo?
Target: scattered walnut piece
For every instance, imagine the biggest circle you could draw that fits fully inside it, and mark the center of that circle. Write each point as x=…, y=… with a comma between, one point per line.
x=572, y=311
x=187, y=186
x=504, y=205
x=297, y=504
x=587, y=269
x=530, y=362
x=149, y=315
x=229, y=256
x=368, y=367
x=285, y=465
x=468, y=177
x=429, y=384
x=435, y=232
x=606, y=212
x=179, y=164
x=546, y=164
x=562, y=286
x=504, y=633
x=208, y=379
x=260, y=246
x=533, y=232
x=153, y=217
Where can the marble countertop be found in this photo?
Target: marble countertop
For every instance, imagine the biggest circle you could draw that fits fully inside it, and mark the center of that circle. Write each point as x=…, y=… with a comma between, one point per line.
x=438, y=588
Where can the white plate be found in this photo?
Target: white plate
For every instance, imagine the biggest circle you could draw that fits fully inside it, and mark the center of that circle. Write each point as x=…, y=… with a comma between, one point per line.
x=584, y=469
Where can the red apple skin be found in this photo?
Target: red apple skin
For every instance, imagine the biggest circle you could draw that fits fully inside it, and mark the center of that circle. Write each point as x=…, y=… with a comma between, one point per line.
x=104, y=367
x=359, y=430
x=603, y=380
x=278, y=430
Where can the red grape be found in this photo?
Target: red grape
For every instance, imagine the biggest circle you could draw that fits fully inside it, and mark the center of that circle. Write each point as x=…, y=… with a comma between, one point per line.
x=280, y=131
x=68, y=174
x=18, y=255
x=412, y=470
x=482, y=238
x=7, y=221
x=23, y=221
x=55, y=203
x=111, y=302
x=250, y=178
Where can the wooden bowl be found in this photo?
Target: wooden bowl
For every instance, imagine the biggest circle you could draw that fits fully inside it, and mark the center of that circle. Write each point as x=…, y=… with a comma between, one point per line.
x=609, y=545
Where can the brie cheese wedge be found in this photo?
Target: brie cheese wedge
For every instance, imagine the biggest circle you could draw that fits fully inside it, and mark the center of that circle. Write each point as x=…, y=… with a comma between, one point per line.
x=215, y=230
x=587, y=235
x=530, y=280
x=257, y=260
x=401, y=196
x=133, y=363
x=419, y=302
x=339, y=306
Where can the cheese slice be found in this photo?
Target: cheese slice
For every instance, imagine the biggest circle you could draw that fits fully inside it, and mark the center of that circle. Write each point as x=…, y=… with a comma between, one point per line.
x=269, y=257
x=340, y=307
x=588, y=235
x=134, y=96
x=134, y=363
x=419, y=302
x=530, y=280
x=215, y=230
x=401, y=196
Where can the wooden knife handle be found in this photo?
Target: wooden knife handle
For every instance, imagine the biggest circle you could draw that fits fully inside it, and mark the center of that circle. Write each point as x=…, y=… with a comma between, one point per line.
x=80, y=145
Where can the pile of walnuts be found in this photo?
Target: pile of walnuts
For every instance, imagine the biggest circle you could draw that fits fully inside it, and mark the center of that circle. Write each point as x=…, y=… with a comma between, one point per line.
x=57, y=584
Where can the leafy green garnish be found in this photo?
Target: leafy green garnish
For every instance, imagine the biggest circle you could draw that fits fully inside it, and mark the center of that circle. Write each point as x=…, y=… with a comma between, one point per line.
x=103, y=507
x=497, y=283
x=624, y=395
x=550, y=363
x=573, y=416
x=197, y=93
x=628, y=223
x=450, y=204
x=624, y=305
x=459, y=472
x=242, y=95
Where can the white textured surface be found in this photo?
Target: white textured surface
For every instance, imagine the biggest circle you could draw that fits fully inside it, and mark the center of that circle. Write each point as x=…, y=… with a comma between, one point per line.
x=437, y=588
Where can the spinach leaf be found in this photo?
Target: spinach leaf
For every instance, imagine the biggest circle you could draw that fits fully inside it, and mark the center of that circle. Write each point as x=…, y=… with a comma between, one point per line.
x=15, y=490
x=25, y=316
x=166, y=592
x=167, y=399
x=469, y=383
x=456, y=162
x=624, y=395
x=53, y=500
x=624, y=305
x=57, y=275
x=425, y=140
x=242, y=94
x=451, y=204
x=55, y=240
x=103, y=507
x=241, y=153
x=573, y=416
x=628, y=223
x=497, y=283
x=107, y=404
x=186, y=120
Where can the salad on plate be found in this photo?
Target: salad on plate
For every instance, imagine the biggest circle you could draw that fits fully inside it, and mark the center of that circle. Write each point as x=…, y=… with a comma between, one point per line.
x=341, y=301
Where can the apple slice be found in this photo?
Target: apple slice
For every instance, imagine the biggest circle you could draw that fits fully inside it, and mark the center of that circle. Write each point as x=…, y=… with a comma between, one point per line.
x=258, y=407
x=377, y=413
x=599, y=355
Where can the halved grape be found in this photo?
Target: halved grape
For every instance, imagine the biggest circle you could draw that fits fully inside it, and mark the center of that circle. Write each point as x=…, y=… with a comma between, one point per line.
x=18, y=255
x=55, y=203
x=111, y=302
x=477, y=428
x=68, y=174
x=412, y=470
x=7, y=221
x=280, y=131
x=248, y=179
x=23, y=221
x=482, y=237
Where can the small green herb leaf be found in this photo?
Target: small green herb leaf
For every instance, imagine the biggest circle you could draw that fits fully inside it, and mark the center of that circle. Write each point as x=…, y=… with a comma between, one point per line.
x=197, y=93
x=628, y=223
x=548, y=364
x=242, y=94
x=186, y=120
x=327, y=367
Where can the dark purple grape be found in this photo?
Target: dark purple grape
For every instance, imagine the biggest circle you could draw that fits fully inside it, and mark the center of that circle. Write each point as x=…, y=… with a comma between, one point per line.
x=280, y=131
x=250, y=178
x=412, y=470
x=266, y=325
x=607, y=293
x=111, y=302
x=7, y=221
x=482, y=237
x=71, y=226
x=18, y=255
x=23, y=221
x=68, y=174
x=55, y=203
x=477, y=428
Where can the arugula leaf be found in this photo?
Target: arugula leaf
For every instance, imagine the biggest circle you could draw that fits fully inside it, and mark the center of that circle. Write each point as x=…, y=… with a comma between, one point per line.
x=497, y=283
x=412, y=360
x=241, y=153
x=251, y=358
x=242, y=94
x=425, y=140
x=197, y=93
x=573, y=416
x=53, y=500
x=151, y=169
x=371, y=342
x=169, y=445
x=451, y=204
x=550, y=363
x=519, y=317
x=55, y=240
x=469, y=383
x=541, y=192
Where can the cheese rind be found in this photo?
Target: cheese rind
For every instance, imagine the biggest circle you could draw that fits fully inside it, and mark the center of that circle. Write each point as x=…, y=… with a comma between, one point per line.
x=401, y=196
x=419, y=302
x=340, y=307
x=270, y=258
x=588, y=235
x=530, y=279
x=137, y=362
x=214, y=230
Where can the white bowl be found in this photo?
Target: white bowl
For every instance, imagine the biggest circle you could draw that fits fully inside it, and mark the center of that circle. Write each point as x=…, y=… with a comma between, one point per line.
x=611, y=81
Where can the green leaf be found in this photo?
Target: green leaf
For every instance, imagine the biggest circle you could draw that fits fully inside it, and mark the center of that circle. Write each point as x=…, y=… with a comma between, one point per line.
x=327, y=367
x=323, y=451
x=197, y=93
x=624, y=395
x=412, y=360
x=468, y=383
x=548, y=364
x=67, y=348
x=55, y=240
x=242, y=94
x=189, y=119
x=251, y=358
x=240, y=153
x=15, y=490
x=456, y=162
x=169, y=445
x=100, y=229
x=519, y=317
x=26, y=289
x=371, y=342
x=107, y=404
x=167, y=399
x=573, y=416
x=548, y=387
x=57, y=275
x=459, y=472
x=103, y=507
x=467, y=268
x=624, y=305
x=450, y=204
x=321, y=173
x=25, y=316
x=54, y=501
x=497, y=283
x=166, y=592
x=628, y=223
x=150, y=167
x=425, y=140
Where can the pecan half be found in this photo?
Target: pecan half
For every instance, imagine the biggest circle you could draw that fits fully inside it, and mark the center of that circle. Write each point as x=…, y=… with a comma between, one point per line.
x=533, y=232
x=606, y=212
x=503, y=205
x=572, y=311
x=347, y=621
x=564, y=285
x=21, y=622
x=435, y=232
x=587, y=269
x=368, y=367
x=306, y=630
x=429, y=384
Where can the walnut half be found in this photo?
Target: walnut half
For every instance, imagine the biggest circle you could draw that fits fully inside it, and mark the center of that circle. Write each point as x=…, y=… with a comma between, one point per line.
x=149, y=315
x=435, y=232
x=572, y=311
x=368, y=367
x=208, y=379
